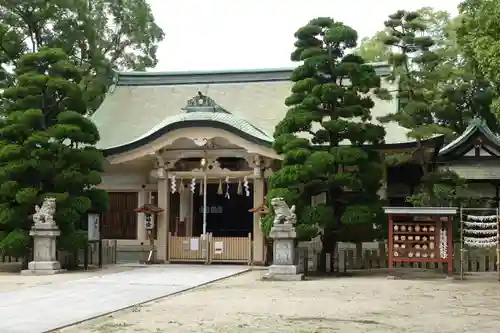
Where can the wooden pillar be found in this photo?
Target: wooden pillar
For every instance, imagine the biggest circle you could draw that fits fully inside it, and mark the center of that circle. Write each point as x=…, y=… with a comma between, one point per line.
x=185, y=212
x=258, y=237
x=449, y=231
x=390, y=246
x=163, y=217
x=142, y=199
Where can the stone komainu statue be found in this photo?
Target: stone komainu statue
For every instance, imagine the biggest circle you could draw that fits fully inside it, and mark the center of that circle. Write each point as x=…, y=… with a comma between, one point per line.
x=45, y=214
x=283, y=214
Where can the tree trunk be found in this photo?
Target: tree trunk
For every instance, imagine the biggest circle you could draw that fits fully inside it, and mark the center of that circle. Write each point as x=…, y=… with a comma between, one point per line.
x=28, y=254
x=359, y=255
x=333, y=257
x=328, y=241
x=322, y=260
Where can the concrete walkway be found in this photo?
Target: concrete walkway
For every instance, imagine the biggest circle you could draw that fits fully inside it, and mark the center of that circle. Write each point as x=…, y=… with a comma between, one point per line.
x=45, y=308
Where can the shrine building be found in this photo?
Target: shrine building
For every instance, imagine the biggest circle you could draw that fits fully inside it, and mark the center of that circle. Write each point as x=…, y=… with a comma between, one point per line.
x=164, y=133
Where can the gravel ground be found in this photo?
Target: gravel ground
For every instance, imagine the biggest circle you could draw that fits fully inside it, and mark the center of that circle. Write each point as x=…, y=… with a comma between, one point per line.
x=245, y=304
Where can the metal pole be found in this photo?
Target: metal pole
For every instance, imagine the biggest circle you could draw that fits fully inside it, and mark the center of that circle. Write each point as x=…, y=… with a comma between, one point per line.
x=461, y=244
x=498, y=242
x=204, y=203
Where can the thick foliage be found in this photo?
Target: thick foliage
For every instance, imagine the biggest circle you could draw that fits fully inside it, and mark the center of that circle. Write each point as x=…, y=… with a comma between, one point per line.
x=425, y=109
x=97, y=35
x=46, y=148
x=322, y=135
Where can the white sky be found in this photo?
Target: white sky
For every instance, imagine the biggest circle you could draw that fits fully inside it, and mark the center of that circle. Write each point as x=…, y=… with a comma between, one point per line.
x=236, y=34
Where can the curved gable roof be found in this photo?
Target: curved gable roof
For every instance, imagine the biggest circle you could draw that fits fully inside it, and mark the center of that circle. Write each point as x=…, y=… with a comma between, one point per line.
x=200, y=111
x=477, y=125
x=140, y=103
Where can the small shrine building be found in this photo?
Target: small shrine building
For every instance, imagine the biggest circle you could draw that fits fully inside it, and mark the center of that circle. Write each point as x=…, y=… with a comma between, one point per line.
x=474, y=156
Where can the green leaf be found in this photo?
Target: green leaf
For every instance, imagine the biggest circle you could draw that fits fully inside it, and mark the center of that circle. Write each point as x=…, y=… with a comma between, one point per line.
x=330, y=104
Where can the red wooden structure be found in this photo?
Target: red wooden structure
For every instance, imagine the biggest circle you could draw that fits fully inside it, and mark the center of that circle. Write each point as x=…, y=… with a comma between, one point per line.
x=420, y=234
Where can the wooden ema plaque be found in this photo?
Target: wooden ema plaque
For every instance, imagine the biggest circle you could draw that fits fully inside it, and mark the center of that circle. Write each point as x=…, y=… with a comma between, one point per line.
x=415, y=240
x=420, y=235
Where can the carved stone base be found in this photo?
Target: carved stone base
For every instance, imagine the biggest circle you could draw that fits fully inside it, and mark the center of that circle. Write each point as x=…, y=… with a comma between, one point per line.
x=283, y=267
x=283, y=273
x=44, y=253
x=43, y=268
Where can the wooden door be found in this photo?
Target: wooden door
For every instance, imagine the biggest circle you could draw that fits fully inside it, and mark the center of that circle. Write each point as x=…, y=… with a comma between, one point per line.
x=120, y=221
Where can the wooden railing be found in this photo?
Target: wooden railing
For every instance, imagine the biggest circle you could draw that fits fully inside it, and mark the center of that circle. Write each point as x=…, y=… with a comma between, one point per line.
x=210, y=249
x=187, y=249
x=231, y=249
x=475, y=260
x=7, y=259
x=109, y=248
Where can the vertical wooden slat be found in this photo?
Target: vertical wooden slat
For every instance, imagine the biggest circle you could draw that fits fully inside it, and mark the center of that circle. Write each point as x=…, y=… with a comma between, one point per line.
x=382, y=254
x=359, y=256
x=350, y=259
x=491, y=261
x=120, y=221
x=365, y=262
x=482, y=263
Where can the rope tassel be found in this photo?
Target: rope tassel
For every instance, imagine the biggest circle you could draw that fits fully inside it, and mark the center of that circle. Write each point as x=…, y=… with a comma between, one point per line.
x=220, y=191
x=239, y=191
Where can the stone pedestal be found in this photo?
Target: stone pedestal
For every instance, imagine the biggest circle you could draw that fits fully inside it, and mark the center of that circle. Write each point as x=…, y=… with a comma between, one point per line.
x=283, y=267
x=44, y=253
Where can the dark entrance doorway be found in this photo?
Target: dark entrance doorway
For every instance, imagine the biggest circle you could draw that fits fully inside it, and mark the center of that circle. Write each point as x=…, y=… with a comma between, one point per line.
x=225, y=217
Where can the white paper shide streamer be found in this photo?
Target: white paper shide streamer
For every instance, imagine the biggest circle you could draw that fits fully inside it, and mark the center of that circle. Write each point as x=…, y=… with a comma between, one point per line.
x=480, y=218
x=246, y=186
x=173, y=184
x=443, y=244
x=227, y=181
x=192, y=186
x=480, y=231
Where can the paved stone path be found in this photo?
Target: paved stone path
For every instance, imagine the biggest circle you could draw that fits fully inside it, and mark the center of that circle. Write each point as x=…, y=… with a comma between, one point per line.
x=45, y=308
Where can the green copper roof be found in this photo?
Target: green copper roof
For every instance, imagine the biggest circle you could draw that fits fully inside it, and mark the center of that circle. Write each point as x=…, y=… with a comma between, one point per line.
x=475, y=125
x=202, y=108
x=249, y=102
x=218, y=77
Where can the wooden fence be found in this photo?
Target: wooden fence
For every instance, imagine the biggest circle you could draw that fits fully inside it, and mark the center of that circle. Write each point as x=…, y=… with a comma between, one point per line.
x=109, y=248
x=210, y=249
x=8, y=259
x=475, y=259
x=187, y=249
x=231, y=249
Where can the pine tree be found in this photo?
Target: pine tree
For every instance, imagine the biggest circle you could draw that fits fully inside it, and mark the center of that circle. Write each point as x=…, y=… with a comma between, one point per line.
x=98, y=36
x=326, y=135
x=423, y=105
x=46, y=149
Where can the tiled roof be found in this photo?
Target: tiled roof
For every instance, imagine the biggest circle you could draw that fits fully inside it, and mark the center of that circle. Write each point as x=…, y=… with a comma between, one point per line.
x=475, y=125
x=141, y=103
x=209, y=111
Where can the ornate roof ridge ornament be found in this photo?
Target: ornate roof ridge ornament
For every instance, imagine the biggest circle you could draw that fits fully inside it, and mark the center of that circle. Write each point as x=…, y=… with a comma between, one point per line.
x=203, y=103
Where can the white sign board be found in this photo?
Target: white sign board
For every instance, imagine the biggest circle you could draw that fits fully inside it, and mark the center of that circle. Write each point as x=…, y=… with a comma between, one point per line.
x=93, y=227
x=149, y=221
x=195, y=244
x=218, y=247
